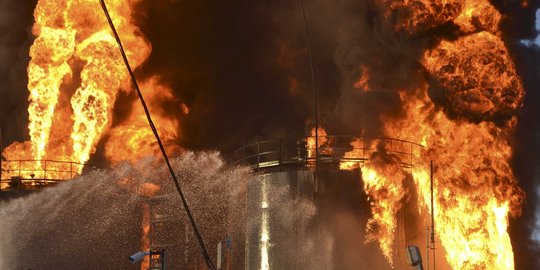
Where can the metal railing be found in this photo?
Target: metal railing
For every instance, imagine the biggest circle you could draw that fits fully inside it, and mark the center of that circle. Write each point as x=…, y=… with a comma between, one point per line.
x=335, y=148
x=37, y=172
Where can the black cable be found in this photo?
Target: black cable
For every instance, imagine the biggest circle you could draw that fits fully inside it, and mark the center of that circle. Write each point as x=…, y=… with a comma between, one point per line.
x=209, y=262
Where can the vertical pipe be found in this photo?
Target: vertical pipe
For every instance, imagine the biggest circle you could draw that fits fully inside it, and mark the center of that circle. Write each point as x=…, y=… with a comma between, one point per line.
x=162, y=259
x=186, y=242
x=218, y=256
x=228, y=256
x=280, y=151
x=427, y=247
x=432, y=215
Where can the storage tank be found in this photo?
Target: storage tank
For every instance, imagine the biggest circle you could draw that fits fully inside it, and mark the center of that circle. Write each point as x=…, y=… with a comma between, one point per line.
x=296, y=198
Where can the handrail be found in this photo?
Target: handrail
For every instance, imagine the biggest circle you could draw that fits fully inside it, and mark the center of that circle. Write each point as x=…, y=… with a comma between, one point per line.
x=335, y=148
x=38, y=172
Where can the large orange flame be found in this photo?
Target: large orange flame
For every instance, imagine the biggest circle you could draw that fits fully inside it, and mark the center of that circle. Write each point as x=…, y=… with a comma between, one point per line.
x=73, y=36
x=68, y=116
x=52, y=48
x=464, y=124
x=104, y=73
x=475, y=189
x=383, y=182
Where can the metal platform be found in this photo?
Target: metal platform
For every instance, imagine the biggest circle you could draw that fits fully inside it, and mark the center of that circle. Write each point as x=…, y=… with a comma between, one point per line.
x=333, y=149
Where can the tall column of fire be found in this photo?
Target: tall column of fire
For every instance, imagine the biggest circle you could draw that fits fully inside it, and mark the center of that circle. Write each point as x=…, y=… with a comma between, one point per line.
x=464, y=114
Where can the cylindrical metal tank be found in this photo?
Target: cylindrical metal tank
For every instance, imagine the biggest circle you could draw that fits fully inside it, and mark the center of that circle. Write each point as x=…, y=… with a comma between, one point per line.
x=305, y=212
x=274, y=218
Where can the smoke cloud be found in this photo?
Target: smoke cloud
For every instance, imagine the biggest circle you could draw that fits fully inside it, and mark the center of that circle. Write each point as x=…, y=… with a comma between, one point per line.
x=242, y=69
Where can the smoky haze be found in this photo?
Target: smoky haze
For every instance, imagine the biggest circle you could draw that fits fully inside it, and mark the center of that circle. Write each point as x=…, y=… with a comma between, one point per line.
x=242, y=68
x=15, y=39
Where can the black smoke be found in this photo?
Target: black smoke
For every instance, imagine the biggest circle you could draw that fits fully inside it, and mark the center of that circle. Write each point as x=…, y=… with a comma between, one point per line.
x=243, y=67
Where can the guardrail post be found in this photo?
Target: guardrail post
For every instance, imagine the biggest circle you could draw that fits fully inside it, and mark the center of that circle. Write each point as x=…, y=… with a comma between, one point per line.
x=258, y=155
x=70, y=169
x=280, y=151
x=364, y=148
x=411, y=154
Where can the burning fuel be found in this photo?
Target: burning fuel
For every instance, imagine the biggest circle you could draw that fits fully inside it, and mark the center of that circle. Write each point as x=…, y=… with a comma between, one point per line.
x=74, y=37
x=463, y=115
